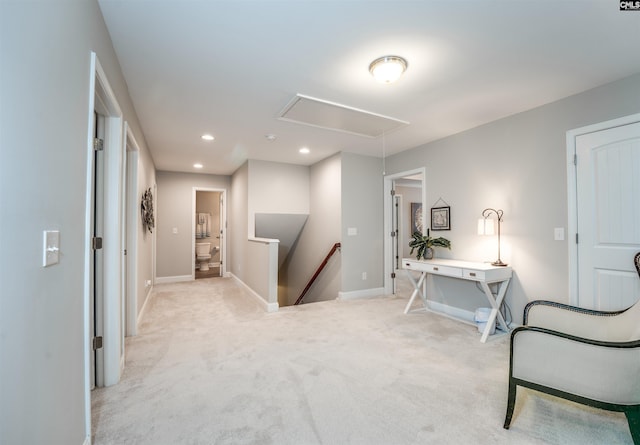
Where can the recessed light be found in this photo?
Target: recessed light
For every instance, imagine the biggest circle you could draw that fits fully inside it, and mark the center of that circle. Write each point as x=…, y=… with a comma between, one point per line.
x=207, y=137
x=304, y=150
x=197, y=165
x=270, y=137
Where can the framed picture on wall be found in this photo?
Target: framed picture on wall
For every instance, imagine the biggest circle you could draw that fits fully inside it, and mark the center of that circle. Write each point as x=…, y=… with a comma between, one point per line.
x=416, y=217
x=441, y=218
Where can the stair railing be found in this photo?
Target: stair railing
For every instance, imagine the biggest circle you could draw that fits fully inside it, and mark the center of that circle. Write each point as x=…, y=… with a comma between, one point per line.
x=333, y=250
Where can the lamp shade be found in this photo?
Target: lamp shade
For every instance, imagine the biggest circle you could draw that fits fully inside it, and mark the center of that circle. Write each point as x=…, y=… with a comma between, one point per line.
x=486, y=226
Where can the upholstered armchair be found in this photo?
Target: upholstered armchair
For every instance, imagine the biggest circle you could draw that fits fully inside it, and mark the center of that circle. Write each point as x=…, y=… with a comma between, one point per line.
x=587, y=356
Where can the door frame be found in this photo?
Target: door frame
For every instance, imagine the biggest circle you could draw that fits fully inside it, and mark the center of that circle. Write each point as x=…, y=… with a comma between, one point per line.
x=113, y=349
x=572, y=193
x=130, y=240
x=223, y=228
x=389, y=181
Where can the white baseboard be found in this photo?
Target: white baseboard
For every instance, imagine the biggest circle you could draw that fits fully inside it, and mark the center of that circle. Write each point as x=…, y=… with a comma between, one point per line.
x=87, y=441
x=268, y=307
x=177, y=279
x=364, y=293
x=144, y=307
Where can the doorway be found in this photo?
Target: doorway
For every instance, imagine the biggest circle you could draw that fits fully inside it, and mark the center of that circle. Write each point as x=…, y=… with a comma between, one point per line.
x=404, y=194
x=104, y=348
x=209, y=233
x=604, y=185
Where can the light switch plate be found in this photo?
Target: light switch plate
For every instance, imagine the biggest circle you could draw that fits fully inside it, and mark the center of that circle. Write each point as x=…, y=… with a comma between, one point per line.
x=50, y=247
x=352, y=231
x=558, y=234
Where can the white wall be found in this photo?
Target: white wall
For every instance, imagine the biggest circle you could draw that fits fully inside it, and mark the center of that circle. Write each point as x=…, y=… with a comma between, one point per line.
x=274, y=187
x=146, y=179
x=362, y=209
x=517, y=164
x=320, y=233
x=238, y=219
x=45, y=60
x=175, y=200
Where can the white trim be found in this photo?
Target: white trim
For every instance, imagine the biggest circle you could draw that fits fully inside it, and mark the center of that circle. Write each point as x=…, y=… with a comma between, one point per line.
x=363, y=293
x=144, y=307
x=223, y=217
x=268, y=307
x=88, y=253
x=388, y=240
x=131, y=213
x=87, y=441
x=572, y=197
x=176, y=279
x=113, y=347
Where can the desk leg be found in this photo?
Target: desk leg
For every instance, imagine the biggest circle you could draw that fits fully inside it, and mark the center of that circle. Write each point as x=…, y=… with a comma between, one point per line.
x=416, y=290
x=495, y=308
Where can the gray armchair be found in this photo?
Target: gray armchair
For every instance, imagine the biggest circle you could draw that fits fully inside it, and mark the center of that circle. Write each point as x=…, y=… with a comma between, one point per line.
x=587, y=356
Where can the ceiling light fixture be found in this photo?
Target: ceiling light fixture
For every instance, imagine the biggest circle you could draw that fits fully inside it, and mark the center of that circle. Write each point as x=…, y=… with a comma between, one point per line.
x=304, y=150
x=207, y=137
x=197, y=165
x=270, y=137
x=388, y=69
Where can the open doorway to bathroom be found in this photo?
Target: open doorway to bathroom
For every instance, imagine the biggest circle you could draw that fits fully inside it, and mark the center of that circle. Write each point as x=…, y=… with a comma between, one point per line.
x=209, y=233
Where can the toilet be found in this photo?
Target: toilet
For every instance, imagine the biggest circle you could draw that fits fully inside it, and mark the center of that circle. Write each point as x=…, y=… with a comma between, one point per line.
x=203, y=255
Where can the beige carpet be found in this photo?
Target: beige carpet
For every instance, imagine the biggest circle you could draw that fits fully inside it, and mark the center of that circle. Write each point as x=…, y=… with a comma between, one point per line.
x=210, y=367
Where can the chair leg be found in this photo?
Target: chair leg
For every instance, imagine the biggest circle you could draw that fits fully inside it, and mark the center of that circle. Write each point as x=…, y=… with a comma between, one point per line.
x=633, y=417
x=511, y=403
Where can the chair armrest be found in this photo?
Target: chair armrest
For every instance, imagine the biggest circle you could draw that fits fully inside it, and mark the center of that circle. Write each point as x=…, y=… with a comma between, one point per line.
x=575, y=321
x=599, y=370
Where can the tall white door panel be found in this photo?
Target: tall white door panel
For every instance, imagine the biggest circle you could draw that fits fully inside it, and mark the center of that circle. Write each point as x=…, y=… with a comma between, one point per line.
x=608, y=217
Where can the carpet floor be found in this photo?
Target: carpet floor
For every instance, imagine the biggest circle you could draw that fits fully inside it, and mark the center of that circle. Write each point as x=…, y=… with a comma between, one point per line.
x=209, y=366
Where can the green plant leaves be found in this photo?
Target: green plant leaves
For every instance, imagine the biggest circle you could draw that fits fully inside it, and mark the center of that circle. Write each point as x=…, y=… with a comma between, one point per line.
x=422, y=242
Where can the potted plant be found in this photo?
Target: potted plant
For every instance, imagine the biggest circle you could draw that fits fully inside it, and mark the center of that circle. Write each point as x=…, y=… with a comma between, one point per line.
x=426, y=243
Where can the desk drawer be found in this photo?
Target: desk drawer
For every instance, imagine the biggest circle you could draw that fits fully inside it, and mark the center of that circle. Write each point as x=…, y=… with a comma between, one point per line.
x=435, y=269
x=473, y=274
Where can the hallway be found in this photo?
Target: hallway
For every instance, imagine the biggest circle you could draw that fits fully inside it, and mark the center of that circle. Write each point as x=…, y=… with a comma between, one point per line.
x=211, y=367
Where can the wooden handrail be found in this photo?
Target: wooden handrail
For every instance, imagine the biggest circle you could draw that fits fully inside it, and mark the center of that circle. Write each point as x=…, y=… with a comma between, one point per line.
x=335, y=247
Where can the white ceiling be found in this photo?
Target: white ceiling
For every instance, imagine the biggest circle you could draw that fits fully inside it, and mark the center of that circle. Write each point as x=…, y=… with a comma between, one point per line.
x=229, y=67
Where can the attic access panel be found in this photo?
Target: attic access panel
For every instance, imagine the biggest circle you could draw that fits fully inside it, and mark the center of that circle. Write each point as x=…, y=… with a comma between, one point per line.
x=332, y=116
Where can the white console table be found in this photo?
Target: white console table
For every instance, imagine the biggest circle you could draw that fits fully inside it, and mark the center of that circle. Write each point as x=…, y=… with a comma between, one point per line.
x=482, y=273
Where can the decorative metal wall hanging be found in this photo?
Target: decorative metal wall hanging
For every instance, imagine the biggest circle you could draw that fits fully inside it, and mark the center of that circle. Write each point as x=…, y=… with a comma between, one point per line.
x=416, y=217
x=148, y=221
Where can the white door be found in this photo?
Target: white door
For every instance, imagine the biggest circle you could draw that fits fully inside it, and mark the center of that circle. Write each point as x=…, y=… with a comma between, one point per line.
x=608, y=217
